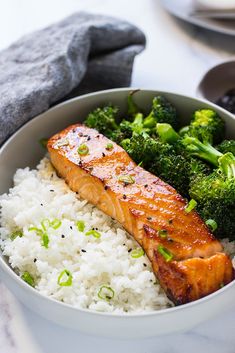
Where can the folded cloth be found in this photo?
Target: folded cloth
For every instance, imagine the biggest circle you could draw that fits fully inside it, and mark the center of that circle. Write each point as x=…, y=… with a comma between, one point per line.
x=83, y=52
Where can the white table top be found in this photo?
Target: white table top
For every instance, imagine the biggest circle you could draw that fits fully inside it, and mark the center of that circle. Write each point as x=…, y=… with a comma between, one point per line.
x=176, y=57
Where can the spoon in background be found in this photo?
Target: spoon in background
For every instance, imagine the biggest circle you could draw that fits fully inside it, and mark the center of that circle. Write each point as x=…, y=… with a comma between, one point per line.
x=218, y=85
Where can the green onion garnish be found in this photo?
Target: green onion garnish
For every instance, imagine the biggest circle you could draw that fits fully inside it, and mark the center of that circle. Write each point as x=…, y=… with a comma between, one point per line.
x=83, y=149
x=45, y=240
x=42, y=234
x=168, y=256
x=15, y=234
x=68, y=279
x=109, y=146
x=43, y=142
x=94, y=233
x=137, y=253
x=212, y=224
x=80, y=226
x=126, y=179
x=45, y=224
x=26, y=276
x=106, y=293
x=55, y=224
x=163, y=233
x=38, y=231
x=140, y=163
x=191, y=205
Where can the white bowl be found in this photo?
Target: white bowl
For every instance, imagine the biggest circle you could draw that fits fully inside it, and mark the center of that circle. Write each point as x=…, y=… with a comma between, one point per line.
x=216, y=4
x=23, y=149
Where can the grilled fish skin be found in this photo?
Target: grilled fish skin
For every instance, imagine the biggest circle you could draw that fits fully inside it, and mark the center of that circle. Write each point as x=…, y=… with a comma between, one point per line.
x=148, y=208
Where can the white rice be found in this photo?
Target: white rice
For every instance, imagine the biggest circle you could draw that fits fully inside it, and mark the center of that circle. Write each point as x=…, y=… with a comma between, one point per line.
x=93, y=262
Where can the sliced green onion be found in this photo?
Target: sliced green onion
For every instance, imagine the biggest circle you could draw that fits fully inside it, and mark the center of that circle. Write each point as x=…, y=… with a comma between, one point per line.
x=38, y=231
x=45, y=240
x=45, y=224
x=16, y=233
x=212, y=224
x=109, y=146
x=106, y=293
x=26, y=276
x=163, y=233
x=94, y=233
x=43, y=142
x=140, y=163
x=80, y=226
x=83, y=149
x=55, y=224
x=137, y=253
x=126, y=179
x=68, y=279
x=42, y=234
x=191, y=205
x=168, y=256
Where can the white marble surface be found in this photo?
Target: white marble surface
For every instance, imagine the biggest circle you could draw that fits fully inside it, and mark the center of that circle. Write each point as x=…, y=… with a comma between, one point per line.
x=176, y=57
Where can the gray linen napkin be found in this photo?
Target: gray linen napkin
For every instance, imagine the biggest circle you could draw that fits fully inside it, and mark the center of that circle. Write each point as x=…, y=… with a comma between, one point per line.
x=83, y=52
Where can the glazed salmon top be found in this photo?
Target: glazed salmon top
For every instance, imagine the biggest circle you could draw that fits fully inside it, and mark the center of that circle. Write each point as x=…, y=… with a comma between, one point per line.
x=148, y=208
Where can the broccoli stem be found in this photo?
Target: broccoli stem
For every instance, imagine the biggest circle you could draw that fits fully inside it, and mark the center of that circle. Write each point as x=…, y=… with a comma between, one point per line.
x=227, y=164
x=202, y=150
x=167, y=133
x=132, y=108
x=149, y=122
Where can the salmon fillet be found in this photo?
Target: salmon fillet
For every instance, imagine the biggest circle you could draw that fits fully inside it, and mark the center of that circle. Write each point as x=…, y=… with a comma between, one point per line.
x=187, y=259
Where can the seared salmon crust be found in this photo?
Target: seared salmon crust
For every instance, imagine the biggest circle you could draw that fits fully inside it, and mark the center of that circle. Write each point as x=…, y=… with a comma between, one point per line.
x=187, y=259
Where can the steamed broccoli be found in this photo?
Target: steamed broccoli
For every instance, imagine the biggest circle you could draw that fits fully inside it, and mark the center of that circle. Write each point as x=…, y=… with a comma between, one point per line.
x=206, y=125
x=142, y=148
x=215, y=195
x=162, y=112
x=188, y=145
x=103, y=120
x=182, y=166
x=127, y=129
x=202, y=150
x=227, y=146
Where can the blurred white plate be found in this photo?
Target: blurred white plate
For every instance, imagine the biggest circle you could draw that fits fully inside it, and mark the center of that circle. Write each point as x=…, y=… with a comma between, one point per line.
x=183, y=9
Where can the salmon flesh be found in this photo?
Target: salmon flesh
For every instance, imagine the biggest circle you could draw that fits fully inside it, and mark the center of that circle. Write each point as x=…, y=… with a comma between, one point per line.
x=187, y=259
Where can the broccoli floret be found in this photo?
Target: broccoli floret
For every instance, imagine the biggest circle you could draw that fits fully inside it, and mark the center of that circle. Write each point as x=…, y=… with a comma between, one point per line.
x=103, y=120
x=215, y=195
x=127, y=129
x=206, y=125
x=162, y=112
x=188, y=145
x=202, y=150
x=141, y=148
x=181, y=165
x=227, y=146
x=172, y=168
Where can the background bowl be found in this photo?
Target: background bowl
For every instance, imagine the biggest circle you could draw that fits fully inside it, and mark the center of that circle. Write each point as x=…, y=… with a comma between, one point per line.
x=217, y=81
x=23, y=149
